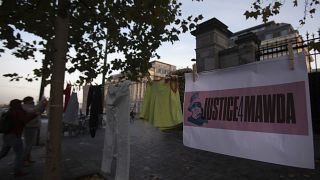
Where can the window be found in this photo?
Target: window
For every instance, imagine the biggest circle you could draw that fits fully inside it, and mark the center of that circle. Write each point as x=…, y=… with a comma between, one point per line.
x=268, y=36
x=284, y=32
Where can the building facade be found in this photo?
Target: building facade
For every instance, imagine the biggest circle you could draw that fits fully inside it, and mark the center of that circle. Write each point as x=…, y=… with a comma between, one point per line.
x=157, y=71
x=217, y=47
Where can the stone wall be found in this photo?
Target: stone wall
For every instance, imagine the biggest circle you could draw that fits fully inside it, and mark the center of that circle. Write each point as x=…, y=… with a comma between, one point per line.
x=215, y=49
x=208, y=46
x=242, y=53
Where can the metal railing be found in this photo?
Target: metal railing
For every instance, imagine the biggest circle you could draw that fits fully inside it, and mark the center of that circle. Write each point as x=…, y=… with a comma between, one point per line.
x=277, y=48
x=308, y=46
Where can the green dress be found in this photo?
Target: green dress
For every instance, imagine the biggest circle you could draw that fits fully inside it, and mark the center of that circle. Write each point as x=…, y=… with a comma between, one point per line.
x=144, y=113
x=161, y=105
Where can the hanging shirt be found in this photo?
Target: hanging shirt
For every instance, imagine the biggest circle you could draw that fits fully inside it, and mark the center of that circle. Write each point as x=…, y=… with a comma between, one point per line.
x=94, y=106
x=66, y=93
x=71, y=114
x=161, y=105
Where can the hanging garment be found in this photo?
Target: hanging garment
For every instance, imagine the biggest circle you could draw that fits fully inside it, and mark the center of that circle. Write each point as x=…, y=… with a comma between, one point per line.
x=117, y=138
x=71, y=114
x=66, y=93
x=85, y=90
x=144, y=114
x=161, y=105
x=94, y=105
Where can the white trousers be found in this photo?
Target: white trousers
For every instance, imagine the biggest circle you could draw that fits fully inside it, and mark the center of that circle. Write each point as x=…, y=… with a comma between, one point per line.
x=117, y=142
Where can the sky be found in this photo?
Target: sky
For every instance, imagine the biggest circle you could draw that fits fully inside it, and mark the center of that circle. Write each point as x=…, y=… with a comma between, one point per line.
x=230, y=12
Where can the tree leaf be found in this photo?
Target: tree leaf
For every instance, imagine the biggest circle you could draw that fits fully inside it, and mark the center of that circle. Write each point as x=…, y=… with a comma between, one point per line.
x=312, y=11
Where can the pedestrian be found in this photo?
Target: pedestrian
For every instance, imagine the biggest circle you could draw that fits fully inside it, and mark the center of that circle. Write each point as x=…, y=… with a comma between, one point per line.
x=132, y=114
x=12, y=138
x=31, y=129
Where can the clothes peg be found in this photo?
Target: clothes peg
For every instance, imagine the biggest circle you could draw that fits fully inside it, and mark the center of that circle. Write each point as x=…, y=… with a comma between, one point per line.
x=194, y=72
x=291, y=56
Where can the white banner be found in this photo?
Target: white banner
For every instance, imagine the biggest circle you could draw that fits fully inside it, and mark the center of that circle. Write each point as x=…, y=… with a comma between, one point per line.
x=258, y=111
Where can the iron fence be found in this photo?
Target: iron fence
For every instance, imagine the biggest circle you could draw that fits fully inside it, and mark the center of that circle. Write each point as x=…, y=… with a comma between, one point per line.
x=310, y=47
x=280, y=47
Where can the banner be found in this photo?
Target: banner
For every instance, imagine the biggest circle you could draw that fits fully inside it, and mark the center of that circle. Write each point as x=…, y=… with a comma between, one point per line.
x=258, y=111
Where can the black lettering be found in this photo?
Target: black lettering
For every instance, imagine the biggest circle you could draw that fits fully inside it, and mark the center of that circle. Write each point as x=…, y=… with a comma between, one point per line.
x=291, y=115
x=220, y=107
x=235, y=108
x=225, y=105
x=258, y=115
x=240, y=112
x=210, y=109
x=215, y=109
x=249, y=108
x=270, y=108
x=229, y=110
x=206, y=108
x=269, y=105
x=281, y=108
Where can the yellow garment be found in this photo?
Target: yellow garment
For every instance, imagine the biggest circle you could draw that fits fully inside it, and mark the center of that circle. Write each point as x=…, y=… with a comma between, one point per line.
x=144, y=114
x=161, y=105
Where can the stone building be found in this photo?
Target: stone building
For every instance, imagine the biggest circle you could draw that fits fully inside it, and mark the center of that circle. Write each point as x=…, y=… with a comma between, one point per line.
x=217, y=47
x=157, y=71
x=160, y=69
x=212, y=36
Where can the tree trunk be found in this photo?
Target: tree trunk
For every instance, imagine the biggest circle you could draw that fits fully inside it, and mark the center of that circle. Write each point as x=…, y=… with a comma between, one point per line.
x=53, y=156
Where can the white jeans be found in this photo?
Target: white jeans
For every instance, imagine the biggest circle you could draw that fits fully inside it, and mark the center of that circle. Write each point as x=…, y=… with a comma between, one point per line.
x=117, y=143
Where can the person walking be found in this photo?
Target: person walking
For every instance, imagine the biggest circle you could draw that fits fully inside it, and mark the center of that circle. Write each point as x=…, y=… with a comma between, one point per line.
x=132, y=114
x=31, y=129
x=12, y=138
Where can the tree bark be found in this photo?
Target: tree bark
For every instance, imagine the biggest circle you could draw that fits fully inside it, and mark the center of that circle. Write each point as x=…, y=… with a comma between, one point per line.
x=53, y=156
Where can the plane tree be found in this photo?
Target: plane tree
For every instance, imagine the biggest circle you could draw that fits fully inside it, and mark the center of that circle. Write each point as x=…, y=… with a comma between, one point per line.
x=73, y=36
x=134, y=29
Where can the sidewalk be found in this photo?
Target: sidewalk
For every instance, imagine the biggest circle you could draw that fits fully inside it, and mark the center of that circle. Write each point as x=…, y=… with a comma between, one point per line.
x=157, y=155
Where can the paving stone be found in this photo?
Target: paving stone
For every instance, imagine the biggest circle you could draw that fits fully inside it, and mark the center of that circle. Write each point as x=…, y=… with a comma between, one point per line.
x=156, y=155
